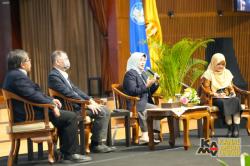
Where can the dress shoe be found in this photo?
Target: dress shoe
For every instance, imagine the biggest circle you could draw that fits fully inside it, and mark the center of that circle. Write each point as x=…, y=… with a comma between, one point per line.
x=76, y=158
x=235, y=130
x=229, y=130
x=102, y=149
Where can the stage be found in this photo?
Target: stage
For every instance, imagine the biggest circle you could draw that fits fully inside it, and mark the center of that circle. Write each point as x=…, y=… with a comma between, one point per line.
x=163, y=154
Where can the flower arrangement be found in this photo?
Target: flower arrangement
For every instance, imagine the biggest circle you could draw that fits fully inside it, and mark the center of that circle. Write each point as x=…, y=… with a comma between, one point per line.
x=190, y=96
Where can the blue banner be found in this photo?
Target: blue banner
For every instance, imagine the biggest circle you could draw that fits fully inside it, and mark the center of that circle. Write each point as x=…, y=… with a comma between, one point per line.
x=138, y=38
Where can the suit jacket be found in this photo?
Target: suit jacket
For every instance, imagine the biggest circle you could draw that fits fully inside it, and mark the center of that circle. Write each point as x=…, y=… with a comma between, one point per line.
x=19, y=83
x=134, y=84
x=57, y=82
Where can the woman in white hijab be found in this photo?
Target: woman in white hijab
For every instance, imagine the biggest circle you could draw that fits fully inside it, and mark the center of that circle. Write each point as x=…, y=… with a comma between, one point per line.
x=137, y=83
x=218, y=80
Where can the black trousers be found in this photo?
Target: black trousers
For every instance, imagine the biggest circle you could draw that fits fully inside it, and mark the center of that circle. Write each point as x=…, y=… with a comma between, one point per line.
x=228, y=106
x=67, y=126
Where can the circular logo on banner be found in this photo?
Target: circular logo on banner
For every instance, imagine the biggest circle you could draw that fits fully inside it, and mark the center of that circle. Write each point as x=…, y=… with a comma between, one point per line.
x=136, y=13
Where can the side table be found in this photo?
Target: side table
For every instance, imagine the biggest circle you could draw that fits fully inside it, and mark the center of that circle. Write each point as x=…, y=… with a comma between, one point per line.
x=196, y=112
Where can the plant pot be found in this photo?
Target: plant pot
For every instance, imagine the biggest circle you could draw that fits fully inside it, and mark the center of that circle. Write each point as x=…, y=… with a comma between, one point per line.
x=171, y=105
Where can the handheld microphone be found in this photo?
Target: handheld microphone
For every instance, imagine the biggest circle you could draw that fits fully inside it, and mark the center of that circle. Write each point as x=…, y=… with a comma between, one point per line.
x=185, y=85
x=153, y=73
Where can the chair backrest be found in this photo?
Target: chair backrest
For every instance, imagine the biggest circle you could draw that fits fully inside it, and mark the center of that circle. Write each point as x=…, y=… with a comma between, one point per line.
x=28, y=108
x=206, y=98
x=121, y=99
x=68, y=103
x=243, y=95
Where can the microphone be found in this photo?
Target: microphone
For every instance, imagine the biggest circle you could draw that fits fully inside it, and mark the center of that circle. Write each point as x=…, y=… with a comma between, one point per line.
x=153, y=73
x=185, y=85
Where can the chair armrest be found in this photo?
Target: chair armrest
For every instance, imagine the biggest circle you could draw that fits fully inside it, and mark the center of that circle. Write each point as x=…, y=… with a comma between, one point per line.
x=245, y=95
x=133, y=101
x=157, y=97
x=241, y=91
x=78, y=101
x=207, y=92
x=208, y=95
x=132, y=98
x=123, y=98
x=83, y=104
x=51, y=106
x=99, y=101
x=9, y=96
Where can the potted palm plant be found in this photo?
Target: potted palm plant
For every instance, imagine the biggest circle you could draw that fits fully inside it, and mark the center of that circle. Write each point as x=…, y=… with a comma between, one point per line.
x=175, y=64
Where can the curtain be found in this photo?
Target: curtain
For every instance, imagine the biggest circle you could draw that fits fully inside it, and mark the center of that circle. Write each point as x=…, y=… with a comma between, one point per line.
x=100, y=11
x=68, y=25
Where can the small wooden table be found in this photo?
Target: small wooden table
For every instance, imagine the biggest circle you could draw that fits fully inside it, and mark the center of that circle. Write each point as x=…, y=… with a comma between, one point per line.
x=197, y=112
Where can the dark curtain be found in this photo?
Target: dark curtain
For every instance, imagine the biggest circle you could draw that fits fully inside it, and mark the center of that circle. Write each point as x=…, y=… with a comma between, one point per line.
x=100, y=12
x=68, y=25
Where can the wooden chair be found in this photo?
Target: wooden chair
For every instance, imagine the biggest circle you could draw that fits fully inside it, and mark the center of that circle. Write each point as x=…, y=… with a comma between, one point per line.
x=214, y=111
x=84, y=121
x=120, y=114
x=121, y=100
x=36, y=130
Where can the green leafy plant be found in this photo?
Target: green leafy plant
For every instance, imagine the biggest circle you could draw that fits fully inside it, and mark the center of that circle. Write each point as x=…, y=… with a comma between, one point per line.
x=175, y=64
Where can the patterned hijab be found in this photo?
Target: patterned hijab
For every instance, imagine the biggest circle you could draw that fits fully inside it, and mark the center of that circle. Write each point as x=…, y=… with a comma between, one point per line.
x=134, y=60
x=221, y=79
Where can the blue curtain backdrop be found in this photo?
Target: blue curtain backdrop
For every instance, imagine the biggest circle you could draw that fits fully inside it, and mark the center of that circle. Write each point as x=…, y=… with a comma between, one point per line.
x=138, y=38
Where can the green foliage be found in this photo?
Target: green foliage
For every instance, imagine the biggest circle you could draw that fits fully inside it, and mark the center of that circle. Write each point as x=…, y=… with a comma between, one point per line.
x=176, y=63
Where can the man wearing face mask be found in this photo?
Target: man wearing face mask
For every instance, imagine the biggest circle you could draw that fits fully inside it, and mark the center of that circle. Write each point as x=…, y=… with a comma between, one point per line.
x=18, y=82
x=58, y=80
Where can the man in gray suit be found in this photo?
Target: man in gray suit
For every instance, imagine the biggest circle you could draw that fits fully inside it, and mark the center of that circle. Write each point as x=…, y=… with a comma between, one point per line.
x=58, y=80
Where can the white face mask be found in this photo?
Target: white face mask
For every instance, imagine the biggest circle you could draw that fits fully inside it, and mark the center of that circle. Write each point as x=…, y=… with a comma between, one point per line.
x=66, y=64
x=63, y=62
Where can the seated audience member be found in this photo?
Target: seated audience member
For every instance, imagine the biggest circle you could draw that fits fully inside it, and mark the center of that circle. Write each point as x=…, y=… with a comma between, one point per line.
x=18, y=82
x=218, y=80
x=137, y=83
x=58, y=80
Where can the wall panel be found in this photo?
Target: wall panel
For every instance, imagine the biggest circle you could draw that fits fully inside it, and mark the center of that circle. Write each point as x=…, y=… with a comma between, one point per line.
x=193, y=19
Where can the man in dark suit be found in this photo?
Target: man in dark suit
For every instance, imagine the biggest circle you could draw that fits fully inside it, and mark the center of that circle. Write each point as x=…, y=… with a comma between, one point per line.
x=18, y=82
x=58, y=81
